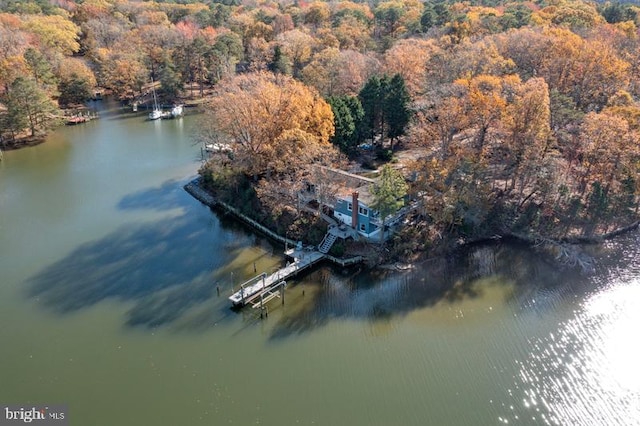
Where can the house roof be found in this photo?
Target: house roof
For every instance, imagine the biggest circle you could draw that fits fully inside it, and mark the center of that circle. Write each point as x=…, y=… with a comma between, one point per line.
x=348, y=183
x=347, y=179
x=364, y=195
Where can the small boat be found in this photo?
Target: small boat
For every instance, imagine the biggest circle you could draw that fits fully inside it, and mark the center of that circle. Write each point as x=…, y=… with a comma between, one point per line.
x=217, y=147
x=177, y=111
x=155, y=114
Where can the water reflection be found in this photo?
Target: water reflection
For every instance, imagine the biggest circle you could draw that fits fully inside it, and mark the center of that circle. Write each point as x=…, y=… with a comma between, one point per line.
x=529, y=278
x=587, y=371
x=167, y=268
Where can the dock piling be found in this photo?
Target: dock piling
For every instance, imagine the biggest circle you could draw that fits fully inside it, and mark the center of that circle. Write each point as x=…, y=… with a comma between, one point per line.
x=250, y=290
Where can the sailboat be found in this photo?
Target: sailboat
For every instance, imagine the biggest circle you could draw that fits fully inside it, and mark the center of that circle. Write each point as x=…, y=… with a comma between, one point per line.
x=157, y=112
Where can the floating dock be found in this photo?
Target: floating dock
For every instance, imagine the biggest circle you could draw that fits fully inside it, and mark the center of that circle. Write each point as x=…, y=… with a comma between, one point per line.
x=252, y=289
x=78, y=119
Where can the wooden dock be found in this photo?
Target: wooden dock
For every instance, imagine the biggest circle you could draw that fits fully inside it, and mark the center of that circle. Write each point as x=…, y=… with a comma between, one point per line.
x=260, y=285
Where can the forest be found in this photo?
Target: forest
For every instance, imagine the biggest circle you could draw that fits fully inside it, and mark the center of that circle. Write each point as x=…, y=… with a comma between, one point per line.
x=525, y=114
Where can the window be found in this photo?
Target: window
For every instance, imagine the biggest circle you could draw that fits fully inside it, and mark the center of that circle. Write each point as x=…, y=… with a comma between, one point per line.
x=362, y=227
x=363, y=211
x=349, y=206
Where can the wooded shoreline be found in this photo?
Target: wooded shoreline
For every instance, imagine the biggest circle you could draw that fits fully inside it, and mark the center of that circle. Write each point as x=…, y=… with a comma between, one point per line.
x=195, y=189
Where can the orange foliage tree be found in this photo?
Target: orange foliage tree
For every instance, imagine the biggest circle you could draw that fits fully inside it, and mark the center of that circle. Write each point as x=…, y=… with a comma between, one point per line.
x=273, y=123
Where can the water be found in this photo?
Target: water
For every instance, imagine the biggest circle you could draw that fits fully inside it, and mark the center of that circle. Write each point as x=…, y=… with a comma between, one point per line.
x=108, y=303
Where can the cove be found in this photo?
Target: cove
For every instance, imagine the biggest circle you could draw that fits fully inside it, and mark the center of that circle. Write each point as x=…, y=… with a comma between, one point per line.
x=108, y=304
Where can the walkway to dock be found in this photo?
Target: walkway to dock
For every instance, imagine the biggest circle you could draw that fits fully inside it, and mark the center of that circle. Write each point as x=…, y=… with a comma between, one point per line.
x=253, y=288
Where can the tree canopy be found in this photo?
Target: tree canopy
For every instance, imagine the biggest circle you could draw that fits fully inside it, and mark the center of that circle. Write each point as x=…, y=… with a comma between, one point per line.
x=273, y=122
x=525, y=112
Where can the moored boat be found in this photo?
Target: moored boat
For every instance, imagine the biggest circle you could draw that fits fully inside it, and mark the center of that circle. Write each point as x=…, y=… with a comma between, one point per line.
x=157, y=112
x=177, y=111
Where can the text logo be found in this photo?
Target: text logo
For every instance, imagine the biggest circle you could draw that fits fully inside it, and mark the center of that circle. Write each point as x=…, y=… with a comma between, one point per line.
x=41, y=415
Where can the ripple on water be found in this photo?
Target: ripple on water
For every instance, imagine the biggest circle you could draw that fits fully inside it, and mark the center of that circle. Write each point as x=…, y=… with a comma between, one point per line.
x=587, y=372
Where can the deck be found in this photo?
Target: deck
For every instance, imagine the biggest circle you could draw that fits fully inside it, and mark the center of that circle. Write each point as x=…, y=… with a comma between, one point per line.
x=253, y=288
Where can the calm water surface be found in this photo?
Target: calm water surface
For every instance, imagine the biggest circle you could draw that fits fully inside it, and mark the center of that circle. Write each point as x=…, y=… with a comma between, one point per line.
x=108, y=303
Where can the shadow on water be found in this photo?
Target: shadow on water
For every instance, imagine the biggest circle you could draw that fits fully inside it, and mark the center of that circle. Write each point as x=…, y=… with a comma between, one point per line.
x=164, y=197
x=533, y=281
x=168, y=268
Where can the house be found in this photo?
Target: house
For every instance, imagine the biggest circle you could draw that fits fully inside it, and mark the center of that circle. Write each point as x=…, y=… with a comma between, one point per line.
x=345, y=197
x=354, y=210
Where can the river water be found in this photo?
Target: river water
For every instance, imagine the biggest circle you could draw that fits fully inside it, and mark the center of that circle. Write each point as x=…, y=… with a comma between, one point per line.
x=108, y=303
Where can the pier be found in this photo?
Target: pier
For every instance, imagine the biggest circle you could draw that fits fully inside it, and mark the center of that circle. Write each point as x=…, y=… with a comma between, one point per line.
x=261, y=286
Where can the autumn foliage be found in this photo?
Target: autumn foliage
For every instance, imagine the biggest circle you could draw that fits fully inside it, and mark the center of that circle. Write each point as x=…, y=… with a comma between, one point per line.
x=526, y=114
x=272, y=122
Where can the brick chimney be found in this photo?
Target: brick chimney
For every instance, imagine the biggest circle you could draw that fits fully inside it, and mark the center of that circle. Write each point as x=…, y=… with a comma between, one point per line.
x=354, y=210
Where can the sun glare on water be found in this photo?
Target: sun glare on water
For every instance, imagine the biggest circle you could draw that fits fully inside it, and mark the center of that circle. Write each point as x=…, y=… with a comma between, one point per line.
x=588, y=373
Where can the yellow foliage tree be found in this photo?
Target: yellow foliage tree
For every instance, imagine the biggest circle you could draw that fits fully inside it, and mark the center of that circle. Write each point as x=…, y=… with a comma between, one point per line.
x=272, y=122
x=55, y=32
x=409, y=58
x=485, y=97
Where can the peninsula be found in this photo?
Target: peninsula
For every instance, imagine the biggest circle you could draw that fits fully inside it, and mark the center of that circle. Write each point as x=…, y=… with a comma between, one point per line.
x=479, y=120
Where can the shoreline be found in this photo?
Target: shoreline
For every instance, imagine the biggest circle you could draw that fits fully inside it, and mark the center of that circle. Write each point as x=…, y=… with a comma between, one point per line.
x=195, y=189
x=22, y=142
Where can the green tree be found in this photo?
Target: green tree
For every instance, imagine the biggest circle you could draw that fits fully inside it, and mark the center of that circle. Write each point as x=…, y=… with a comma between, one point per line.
x=11, y=123
x=280, y=64
x=216, y=16
x=388, y=194
x=396, y=107
x=442, y=13
x=428, y=18
x=74, y=90
x=388, y=16
x=347, y=115
x=617, y=12
x=170, y=79
x=385, y=102
x=28, y=106
x=226, y=52
x=77, y=82
x=357, y=114
x=40, y=67
x=371, y=97
x=515, y=16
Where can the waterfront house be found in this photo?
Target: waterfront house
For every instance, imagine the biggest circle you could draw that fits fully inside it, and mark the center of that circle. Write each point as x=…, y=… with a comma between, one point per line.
x=354, y=210
x=345, y=198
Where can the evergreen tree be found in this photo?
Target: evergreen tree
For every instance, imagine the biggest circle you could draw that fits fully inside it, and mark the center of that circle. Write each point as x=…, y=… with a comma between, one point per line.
x=40, y=68
x=371, y=99
x=396, y=107
x=357, y=114
x=347, y=113
x=428, y=18
x=74, y=90
x=385, y=102
x=388, y=194
x=280, y=64
x=170, y=79
x=28, y=106
x=442, y=13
